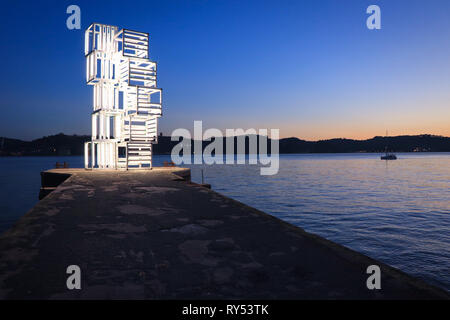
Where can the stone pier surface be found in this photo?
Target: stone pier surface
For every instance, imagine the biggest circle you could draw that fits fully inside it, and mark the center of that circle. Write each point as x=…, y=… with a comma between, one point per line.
x=155, y=235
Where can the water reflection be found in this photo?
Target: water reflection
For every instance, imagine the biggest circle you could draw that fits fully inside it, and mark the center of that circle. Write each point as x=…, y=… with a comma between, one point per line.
x=395, y=211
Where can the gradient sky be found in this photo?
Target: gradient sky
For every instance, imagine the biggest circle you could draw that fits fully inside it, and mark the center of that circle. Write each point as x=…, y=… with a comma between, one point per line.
x=310, y=68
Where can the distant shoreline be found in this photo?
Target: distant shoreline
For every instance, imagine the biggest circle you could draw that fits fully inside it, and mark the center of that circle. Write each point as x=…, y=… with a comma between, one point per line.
x=168, y=154
x=61, y=144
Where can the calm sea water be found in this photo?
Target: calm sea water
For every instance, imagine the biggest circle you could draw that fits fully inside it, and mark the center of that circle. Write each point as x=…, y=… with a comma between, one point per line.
x=397, y=211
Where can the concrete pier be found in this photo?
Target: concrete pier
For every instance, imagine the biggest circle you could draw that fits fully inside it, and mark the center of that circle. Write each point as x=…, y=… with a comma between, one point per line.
x=155, y=235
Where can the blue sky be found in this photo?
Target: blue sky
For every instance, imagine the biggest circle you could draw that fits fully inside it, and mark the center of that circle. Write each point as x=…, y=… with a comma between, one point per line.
x=310, y=68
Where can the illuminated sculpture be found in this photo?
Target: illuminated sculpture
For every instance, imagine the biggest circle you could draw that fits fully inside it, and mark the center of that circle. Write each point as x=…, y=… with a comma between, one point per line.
x=126, y=100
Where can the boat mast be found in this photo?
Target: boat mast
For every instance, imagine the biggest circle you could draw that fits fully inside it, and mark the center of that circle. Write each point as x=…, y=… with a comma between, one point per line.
x=386, y=149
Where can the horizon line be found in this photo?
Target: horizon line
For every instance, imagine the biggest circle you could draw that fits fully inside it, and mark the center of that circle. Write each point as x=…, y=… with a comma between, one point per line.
x=292, y=137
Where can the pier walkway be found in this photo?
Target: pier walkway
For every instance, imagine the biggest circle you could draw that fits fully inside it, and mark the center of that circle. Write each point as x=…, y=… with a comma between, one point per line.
x=155, y=235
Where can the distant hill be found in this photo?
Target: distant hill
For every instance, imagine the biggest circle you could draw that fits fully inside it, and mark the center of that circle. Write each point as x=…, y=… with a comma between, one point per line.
x=421, y=143
x=62, y=144
x=59, y=144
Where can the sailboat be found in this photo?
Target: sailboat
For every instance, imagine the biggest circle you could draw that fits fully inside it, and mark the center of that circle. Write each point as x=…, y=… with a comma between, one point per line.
x=388, y=155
